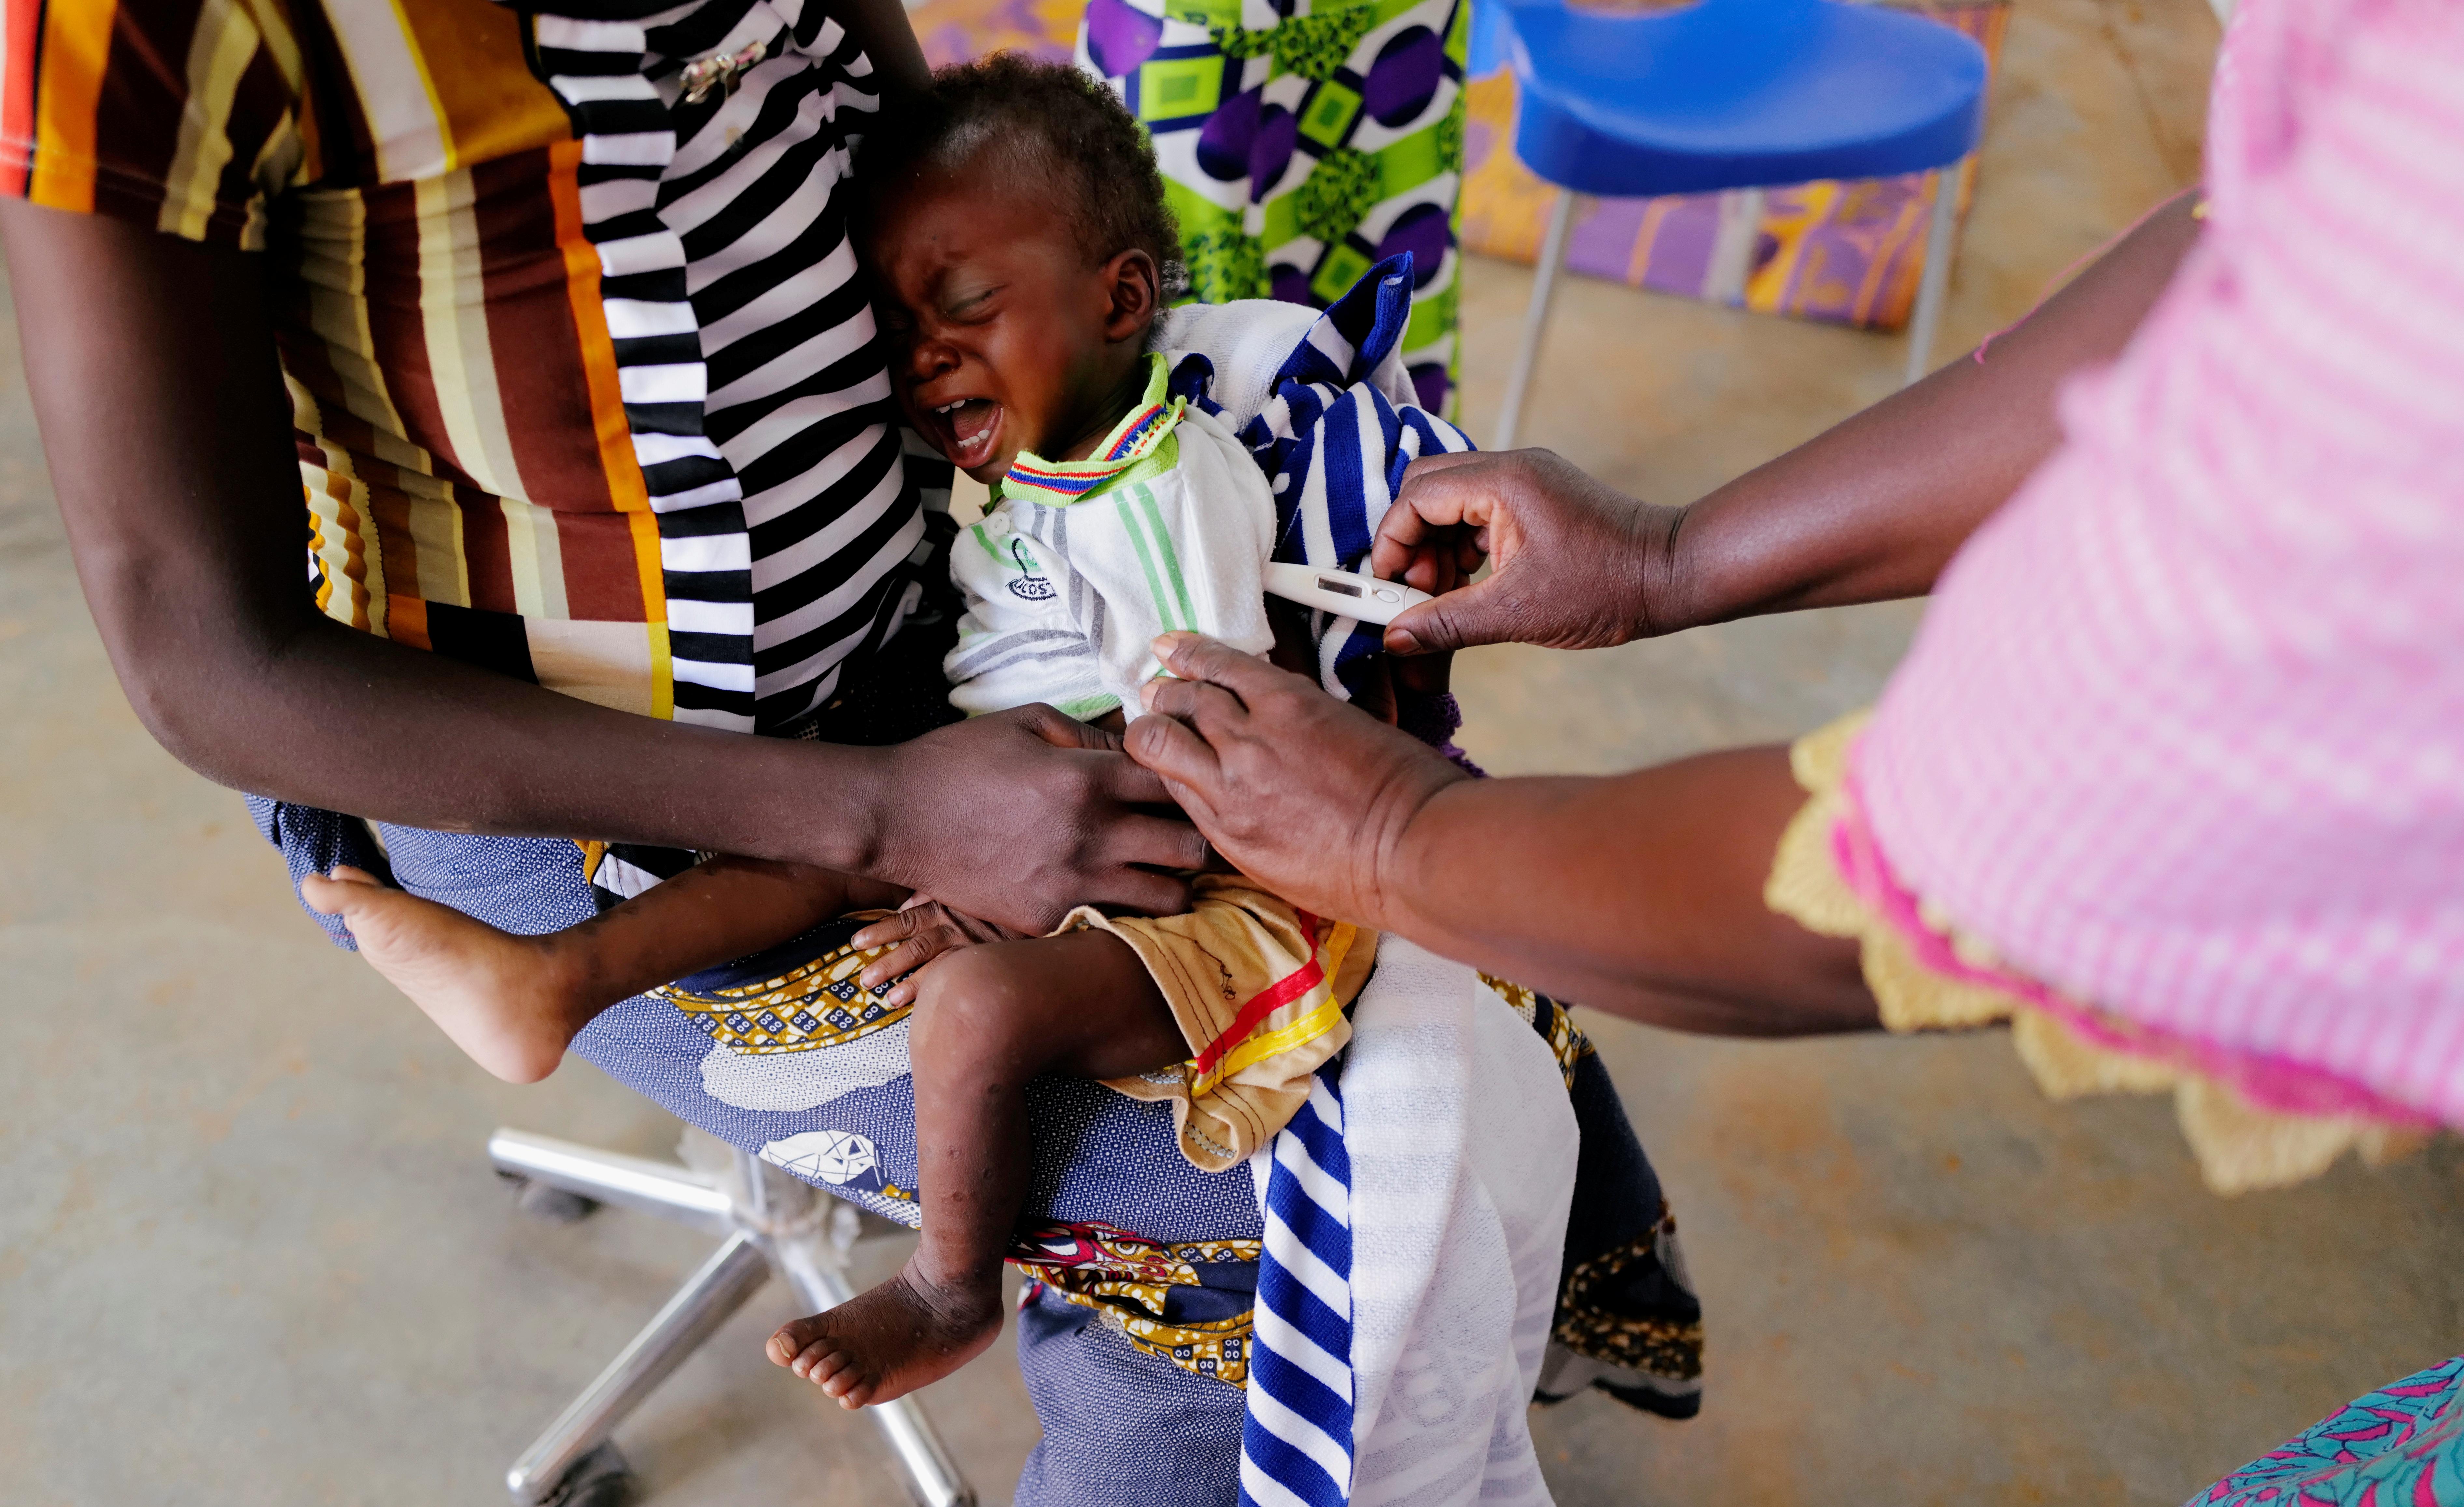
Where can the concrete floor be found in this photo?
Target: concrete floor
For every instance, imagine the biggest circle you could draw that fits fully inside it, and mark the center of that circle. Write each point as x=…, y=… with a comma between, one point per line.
x=250, y=1250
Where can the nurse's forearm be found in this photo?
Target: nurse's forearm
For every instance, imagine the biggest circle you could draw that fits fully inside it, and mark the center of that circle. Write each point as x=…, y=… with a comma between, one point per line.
x=1641, y=895
x=1874, y=508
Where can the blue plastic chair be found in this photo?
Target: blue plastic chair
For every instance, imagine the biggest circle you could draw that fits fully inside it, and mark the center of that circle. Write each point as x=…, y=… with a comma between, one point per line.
x=1732, y=94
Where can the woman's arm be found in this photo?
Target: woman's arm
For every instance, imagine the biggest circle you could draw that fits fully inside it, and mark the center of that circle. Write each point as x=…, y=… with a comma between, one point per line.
x=1869, y=510
x=153, y=372
x=881, y=27
x=1640, y=894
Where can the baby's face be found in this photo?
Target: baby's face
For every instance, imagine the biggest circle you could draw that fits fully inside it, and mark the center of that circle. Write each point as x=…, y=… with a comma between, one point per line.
x=1001, y=338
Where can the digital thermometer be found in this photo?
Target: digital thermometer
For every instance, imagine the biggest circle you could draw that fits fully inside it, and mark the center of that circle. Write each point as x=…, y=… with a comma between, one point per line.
x=1364, y=598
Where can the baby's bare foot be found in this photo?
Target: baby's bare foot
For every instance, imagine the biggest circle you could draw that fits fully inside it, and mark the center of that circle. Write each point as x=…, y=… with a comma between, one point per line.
x=883, y=1343
x=498, y=997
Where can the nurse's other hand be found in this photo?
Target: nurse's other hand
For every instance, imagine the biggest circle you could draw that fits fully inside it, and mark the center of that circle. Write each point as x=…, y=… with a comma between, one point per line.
x=1578, y=565
x=1307, y=795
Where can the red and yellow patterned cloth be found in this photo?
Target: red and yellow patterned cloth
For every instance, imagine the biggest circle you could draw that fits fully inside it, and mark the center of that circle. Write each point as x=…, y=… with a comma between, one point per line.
x=1258, y=986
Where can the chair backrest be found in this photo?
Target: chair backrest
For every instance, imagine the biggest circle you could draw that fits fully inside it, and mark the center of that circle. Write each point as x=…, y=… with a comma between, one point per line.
x=1736, y=93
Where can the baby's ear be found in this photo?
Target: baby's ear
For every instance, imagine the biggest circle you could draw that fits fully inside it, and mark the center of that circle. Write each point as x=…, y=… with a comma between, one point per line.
x=1136, y=288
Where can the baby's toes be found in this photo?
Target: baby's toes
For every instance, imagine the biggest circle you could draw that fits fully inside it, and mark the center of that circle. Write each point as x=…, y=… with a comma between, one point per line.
x=822, y=1360
x=788, y=1345
x=851, y=1386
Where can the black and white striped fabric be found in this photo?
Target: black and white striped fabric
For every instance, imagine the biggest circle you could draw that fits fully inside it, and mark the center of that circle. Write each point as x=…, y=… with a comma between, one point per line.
x=757, y=395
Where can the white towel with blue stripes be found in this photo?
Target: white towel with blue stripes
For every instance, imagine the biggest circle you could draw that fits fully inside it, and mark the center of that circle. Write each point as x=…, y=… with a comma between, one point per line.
x=1416, y=1207
x=1456, y=1146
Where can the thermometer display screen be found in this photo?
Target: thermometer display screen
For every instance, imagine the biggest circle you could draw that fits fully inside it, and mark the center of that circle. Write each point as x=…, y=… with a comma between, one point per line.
x=1340, y=587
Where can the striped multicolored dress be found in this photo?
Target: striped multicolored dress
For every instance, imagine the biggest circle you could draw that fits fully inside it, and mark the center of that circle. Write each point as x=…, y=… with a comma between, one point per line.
x=584, y=383
x=1302, y=143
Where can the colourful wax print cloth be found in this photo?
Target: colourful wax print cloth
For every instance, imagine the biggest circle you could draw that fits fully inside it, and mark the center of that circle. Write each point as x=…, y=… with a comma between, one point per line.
x=2401, y=1445
x=585, y=386
x=2173, y=769
x=1303, y=141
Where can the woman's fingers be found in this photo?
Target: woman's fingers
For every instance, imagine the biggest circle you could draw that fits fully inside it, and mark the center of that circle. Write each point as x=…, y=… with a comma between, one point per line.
x=1146, y=893
x=1297, y=789
x=1574, y=564
x=1176, y=752
x=1207, y=706
x=1185, y=844
x=1194, y=656
x=1016, y=817
x=1131, y=784
x=1060, y=729
x=1497, y=610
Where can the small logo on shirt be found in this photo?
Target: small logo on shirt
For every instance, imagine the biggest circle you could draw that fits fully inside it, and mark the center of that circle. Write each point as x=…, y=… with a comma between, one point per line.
x=1028, y=586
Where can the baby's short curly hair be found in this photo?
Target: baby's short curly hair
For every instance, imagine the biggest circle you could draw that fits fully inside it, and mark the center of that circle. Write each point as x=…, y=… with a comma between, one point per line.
x=1028, y=119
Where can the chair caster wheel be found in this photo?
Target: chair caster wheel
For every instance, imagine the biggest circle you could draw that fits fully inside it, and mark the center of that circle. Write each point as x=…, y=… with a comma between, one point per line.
x=555, y=1205
x=602, y=1478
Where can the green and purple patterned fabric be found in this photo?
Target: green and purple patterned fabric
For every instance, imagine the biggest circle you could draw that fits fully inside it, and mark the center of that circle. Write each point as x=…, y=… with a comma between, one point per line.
x=1303, y=141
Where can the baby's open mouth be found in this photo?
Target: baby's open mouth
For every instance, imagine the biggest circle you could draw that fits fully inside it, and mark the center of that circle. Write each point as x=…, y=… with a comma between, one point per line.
x=970, y=424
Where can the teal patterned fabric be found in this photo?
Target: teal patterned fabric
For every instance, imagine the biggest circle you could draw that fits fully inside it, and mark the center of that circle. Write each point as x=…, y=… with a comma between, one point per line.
x=2402, y=1446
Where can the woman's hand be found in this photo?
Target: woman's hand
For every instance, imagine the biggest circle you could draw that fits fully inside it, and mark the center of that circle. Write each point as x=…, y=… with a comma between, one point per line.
x=1302, y=793
x=1641, y=894
x=1018, y=816
x=1578, y=565
x=1871, y=511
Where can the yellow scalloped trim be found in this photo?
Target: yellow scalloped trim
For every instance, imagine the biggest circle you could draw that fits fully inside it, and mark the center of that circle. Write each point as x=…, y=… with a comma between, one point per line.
x=2239, y=1147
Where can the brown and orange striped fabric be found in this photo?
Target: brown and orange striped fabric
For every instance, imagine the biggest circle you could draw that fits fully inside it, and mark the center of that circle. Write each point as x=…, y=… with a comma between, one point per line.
x=486, y=385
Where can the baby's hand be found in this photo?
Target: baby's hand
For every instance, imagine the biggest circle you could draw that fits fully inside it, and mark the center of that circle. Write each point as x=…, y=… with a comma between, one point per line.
x=923, y=929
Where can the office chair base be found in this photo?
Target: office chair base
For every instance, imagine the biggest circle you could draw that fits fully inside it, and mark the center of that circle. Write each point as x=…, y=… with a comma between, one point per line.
x=773, y=1223
x=602, y=1478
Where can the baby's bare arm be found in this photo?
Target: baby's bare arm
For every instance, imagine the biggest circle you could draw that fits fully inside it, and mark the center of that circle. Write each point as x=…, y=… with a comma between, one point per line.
x=720, y=908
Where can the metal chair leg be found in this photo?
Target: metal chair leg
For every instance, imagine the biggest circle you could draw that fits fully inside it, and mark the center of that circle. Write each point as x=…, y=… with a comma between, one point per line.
x=1935, y=285
x=1535, y=319
x=611, y=1177
x=733, y=1273
x=774, y=1222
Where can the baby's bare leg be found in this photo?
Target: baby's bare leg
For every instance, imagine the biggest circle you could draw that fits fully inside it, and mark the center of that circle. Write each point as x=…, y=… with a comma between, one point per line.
x=987, y=1019
x=513, y=1002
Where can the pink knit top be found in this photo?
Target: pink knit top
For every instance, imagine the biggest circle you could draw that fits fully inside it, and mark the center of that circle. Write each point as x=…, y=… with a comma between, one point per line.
x=2183, y=736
